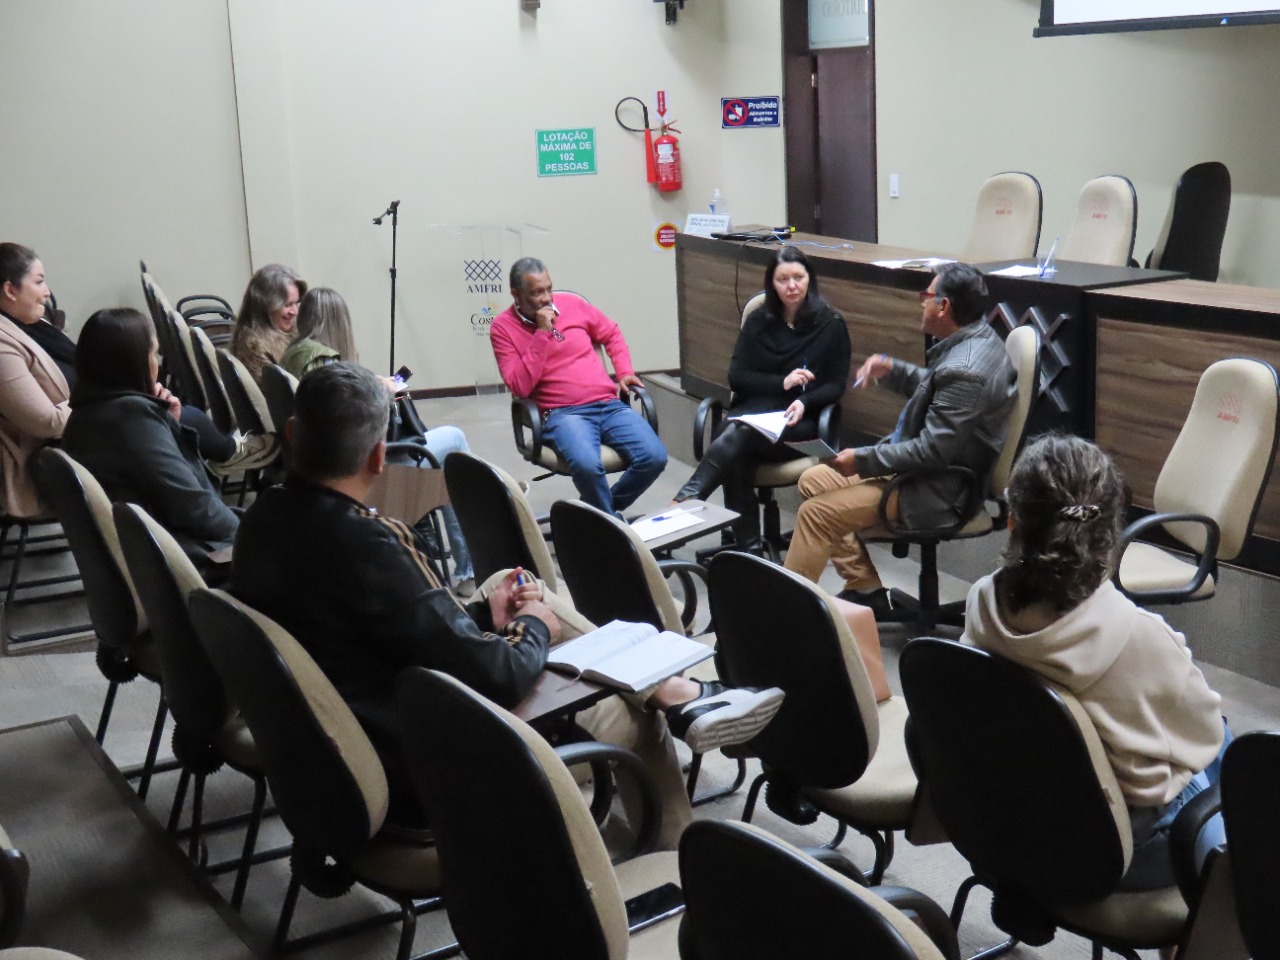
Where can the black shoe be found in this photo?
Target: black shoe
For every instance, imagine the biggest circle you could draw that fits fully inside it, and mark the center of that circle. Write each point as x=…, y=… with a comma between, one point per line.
x=878, y=601
x=720, y=715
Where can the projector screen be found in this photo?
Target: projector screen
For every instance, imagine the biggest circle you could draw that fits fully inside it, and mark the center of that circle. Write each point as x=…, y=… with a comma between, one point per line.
x=1062, y=17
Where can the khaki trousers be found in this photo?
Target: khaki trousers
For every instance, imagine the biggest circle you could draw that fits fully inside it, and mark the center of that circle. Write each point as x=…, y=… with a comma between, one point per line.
x=835, y=510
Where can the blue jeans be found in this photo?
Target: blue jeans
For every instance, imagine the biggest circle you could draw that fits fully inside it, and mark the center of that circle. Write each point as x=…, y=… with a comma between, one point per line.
x=1150, y=868
x=442, y=441
x=578, y=432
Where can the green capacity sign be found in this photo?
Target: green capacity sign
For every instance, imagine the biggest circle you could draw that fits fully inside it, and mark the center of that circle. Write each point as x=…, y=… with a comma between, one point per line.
x=566, y=153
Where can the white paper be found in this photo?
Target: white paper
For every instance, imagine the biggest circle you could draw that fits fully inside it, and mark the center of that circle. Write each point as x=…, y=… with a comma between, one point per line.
x=929, y=262
x=705, y=224
x=1017, y=270
x=770, y=424
x=651, y=528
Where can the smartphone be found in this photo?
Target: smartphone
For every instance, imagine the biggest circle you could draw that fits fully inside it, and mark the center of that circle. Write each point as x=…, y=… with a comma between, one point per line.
x=402, y=375
x=654, y=906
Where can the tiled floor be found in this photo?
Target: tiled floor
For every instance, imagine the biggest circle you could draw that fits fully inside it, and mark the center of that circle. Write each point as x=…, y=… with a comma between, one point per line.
x=39, y=685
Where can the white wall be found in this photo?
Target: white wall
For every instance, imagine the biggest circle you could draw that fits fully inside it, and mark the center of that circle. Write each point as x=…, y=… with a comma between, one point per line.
x=345, y=107
x=964, y=90
x=119, y=143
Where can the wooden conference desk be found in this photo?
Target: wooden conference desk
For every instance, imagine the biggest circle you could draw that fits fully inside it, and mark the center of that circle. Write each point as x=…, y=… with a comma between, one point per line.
x=715, y=278
x=1121, y=355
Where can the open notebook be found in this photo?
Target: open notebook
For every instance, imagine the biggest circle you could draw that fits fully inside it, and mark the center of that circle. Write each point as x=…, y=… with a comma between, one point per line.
x=628, y=655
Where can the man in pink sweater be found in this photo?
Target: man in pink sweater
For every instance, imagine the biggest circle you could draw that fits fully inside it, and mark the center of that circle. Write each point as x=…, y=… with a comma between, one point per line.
x=545, y=350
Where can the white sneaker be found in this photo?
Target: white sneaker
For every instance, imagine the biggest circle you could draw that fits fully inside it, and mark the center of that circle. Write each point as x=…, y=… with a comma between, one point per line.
x=721, y=716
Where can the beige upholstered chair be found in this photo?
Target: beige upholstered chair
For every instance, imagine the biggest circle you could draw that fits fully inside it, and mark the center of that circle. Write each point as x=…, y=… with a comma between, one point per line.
x=208, y=731
x=1210, y=486
x=206, y=360
x=125, y=647
x=1006, y=222
x=752, y=895
x=328, y=783
x=767, y=477
x=991, y=511
x=524, y=870
x=501, y=528
x=831, y=748
x=1105, y=224
x=250, y=406
x=1035, y=808
x=526, y=423
x=35, y=953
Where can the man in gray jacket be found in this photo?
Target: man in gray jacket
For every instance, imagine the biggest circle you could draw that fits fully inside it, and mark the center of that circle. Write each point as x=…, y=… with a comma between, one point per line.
x=955, y=416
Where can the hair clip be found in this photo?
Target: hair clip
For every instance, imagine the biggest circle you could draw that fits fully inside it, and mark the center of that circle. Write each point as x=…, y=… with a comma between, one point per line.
x=1080, y=512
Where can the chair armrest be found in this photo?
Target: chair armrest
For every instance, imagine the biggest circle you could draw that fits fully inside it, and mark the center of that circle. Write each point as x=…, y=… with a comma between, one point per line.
x=1198, y=811
x=684, y=570
x=1206, y=563
x=414, y=450
x=928, y=914
x=973, y=503
x=705, y=421
x=632, y=395
x=836, y=861
x=829, y=425
x=13, y=894
x=600, y=755
x=526, y=416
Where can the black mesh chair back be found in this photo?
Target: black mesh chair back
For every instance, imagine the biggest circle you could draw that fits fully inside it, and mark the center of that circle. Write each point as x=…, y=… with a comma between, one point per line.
x=499, y=525
x=608, y=570
x=327, y=782
x=776, y=629
x=1191, y=238
x=752, y=896
x=1016, y=774
x=1250, y=801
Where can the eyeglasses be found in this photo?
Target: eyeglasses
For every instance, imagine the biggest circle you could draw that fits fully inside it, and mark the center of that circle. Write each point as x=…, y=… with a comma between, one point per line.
x=557, y=334
x=926, y=295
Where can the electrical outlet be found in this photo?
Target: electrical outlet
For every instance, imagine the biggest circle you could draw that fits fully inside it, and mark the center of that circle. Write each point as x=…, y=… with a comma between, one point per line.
x=894, y=191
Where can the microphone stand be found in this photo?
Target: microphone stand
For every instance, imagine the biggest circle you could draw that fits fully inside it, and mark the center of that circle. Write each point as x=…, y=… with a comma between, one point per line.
x=394, y=212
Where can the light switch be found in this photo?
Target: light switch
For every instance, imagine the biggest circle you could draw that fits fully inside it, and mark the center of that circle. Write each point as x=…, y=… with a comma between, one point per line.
x=893, y=186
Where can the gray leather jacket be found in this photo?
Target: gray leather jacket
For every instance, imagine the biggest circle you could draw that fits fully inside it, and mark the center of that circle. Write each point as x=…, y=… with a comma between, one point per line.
x=955, y=415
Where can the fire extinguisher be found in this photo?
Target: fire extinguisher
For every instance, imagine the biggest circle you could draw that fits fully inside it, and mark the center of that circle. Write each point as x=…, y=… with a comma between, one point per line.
x=666, y=160
x=661, y=153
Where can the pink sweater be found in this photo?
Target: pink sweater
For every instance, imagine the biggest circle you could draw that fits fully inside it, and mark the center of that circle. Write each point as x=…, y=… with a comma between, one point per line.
x=560, y=373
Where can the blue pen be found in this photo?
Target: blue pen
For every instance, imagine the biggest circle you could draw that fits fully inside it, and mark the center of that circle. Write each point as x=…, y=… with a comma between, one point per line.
x=667, y=516
x=522, y=578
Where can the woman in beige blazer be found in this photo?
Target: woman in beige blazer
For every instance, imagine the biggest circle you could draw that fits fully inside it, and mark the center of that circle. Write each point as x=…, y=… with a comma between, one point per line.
x=33, y=392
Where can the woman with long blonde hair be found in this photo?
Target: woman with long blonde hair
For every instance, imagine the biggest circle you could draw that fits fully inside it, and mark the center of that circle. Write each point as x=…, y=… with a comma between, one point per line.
x=265, y=325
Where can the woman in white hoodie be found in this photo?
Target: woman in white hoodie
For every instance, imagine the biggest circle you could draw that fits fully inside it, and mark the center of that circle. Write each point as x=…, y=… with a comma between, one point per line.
x=1052, y=608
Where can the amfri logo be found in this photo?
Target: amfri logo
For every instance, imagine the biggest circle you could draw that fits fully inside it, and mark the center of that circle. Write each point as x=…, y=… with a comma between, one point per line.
x=483, y=276
x=1230, y=407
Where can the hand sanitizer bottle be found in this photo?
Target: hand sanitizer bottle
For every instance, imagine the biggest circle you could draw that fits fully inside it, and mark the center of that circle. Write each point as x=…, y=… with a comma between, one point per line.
x=718, y=205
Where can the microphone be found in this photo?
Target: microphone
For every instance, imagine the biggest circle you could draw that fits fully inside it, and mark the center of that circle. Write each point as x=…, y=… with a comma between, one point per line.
x=395, y=205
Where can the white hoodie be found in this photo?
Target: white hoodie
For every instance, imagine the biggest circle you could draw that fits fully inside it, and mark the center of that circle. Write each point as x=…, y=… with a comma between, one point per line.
x=1156, y=716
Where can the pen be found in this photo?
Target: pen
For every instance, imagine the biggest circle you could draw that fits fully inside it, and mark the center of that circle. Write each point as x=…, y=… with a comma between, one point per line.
x=667, y=516
x=805, y=367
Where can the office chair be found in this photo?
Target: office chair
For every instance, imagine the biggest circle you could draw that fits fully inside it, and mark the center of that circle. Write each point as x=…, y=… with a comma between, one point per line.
x=206, y=362
x=753, y=896
x=1105, y=225
x=526, y=424
x=327, y=782
x=14, y=871
x=1210, y=487
x=925, y=610
x=247, y=402
x=208, y=731
x=501, y=529
x=768, y=476
x=1250, y=801
x=831, y=748
x=126, y=649
x=1020, y=781
x=278, y=388
x=1191, y=238
x=523, y=869
x=1006, y=221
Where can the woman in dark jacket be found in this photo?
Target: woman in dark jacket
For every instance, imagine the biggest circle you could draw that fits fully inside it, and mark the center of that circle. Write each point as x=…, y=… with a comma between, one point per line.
x=126, y=432
x=792, y=354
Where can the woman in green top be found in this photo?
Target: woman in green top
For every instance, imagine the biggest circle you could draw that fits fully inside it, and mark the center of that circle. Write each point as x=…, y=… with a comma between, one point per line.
x=324, y=333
